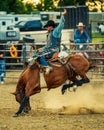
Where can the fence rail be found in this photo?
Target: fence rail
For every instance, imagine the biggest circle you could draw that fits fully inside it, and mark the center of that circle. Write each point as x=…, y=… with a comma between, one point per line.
x=15, y=65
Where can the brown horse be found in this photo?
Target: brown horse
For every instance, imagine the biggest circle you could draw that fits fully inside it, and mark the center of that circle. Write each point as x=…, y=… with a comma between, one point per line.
x=29, y=80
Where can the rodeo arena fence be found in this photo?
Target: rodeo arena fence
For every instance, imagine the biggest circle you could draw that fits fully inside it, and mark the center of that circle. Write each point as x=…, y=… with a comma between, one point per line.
x=16, y=53
x=20, y=46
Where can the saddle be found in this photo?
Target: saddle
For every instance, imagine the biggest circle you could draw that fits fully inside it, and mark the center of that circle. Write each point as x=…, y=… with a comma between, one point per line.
x=56, y=58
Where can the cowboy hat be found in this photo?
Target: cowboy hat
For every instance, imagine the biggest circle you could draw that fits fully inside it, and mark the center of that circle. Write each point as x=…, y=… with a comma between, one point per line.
x=50, y=23
x=80, y=24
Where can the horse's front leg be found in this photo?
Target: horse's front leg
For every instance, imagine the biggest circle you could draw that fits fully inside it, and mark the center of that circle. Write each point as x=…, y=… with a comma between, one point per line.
x=25, y=100
x=22, y=105
x=27, y=107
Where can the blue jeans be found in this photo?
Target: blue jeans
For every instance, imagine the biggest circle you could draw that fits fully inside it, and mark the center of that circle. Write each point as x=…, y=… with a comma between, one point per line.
x=42, y=59
x=2, y=70
x=78, y=42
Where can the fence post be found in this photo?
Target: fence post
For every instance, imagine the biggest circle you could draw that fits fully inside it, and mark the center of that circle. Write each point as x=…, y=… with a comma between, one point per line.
x=24, y=54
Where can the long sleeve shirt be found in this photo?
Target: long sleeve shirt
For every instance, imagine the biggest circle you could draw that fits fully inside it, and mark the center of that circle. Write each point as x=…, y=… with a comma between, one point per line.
x=54, y=36
x=82, y=36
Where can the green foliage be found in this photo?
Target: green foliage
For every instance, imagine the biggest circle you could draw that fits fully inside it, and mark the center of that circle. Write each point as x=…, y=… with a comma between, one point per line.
x=39, y=7
x=66, y=2
x=16, y=6
x=80, y=2
x=19, y=7
x=4, y=5
x=96, y=37
x=71, y=2
x=46, y=5
x=29, y=7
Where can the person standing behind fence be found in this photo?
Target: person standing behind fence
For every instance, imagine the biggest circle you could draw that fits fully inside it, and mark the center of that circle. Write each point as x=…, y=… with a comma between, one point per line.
x=81, y=36
x=2, y=64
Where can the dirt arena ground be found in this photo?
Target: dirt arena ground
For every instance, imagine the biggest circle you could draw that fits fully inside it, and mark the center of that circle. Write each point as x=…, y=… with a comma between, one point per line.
x=80, y=110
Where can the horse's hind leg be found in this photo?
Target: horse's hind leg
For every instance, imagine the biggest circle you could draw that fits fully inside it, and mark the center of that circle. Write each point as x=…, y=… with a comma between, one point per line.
x=76, y=82
x=84, y=79
x=70, y=85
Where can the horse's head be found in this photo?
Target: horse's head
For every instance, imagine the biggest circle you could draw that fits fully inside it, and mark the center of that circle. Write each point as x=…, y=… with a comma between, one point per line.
x=18, y=96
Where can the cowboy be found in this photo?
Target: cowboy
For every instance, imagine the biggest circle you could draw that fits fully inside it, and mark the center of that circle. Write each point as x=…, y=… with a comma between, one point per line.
x=53, y=41
x=81, y=36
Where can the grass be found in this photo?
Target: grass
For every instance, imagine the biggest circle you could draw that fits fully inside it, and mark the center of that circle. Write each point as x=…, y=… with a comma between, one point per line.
x=96, y=37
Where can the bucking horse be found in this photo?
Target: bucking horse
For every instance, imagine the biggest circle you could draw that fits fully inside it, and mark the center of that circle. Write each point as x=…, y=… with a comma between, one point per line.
x=63, y=69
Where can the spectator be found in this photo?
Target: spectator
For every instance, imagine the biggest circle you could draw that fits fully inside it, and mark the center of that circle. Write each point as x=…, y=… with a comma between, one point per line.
x=101, y=28
x=81, y=36
x=2, y=64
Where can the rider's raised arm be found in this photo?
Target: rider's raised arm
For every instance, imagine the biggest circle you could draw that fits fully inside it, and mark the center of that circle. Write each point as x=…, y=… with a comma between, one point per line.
x=58, y=29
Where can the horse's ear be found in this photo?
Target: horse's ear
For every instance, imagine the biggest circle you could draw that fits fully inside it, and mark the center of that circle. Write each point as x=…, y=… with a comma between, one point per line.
x=14, y=93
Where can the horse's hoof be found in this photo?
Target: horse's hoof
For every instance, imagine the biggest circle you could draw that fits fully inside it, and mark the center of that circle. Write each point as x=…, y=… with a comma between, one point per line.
x=64, y=87
x=26, y=109
x=87, y=81
x=74, y=88
x=70, y=89
x=15, y=115
x=63, y=92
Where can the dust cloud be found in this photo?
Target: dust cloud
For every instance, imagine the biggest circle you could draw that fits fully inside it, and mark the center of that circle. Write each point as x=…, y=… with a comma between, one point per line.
x=87, y=99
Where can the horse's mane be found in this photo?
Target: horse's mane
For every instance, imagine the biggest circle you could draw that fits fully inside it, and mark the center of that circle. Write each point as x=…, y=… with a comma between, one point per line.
x=34, y=65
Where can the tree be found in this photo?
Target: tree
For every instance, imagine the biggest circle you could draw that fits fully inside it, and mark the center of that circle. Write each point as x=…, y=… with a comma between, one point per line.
x=17, y=6
x=66, y=2
x=4, y=5
x=29, y=7
x=71, y=2
x=45, y=5
x=49, y=5
x=80, y=2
